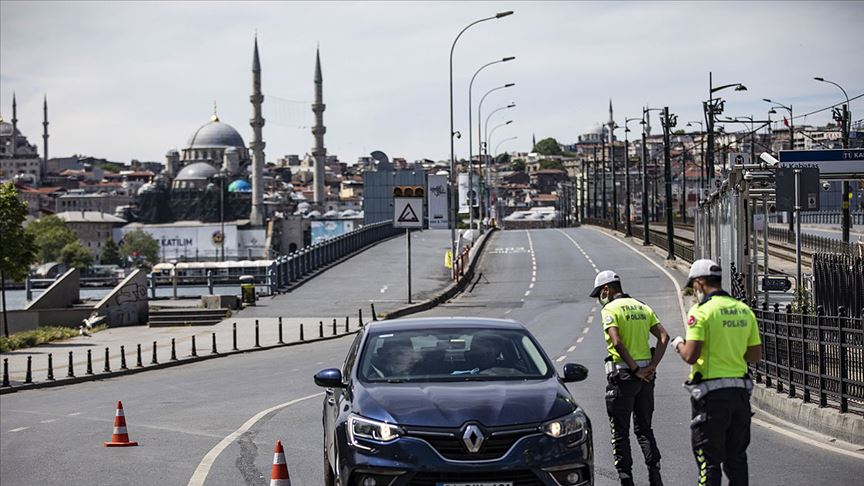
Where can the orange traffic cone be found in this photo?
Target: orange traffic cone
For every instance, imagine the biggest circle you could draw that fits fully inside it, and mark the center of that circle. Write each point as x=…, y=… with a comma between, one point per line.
x=120, y=438
x=279, y=475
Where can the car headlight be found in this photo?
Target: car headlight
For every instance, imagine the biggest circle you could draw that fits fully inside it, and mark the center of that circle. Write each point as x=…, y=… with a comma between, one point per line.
x=571, y=424
x=368, y=429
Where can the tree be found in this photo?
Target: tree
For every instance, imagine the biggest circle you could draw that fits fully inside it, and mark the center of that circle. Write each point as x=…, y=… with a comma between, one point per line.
x=518, y=165
x=50, y=234
x=502, y=159
x=141, y=247
x=551, y=164
x=110, y=253
x=17, y=249
x=74, y=255
x=548, y=146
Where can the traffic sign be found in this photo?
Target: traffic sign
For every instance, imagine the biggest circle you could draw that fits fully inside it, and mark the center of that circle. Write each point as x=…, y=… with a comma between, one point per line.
x=808, y=191
x=833, y=162
x=738, y=159
x=407, y=212
x=776, y=284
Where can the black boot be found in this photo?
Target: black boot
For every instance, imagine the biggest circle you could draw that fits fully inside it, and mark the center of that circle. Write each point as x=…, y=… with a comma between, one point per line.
x=654, y=478
x=626, y=480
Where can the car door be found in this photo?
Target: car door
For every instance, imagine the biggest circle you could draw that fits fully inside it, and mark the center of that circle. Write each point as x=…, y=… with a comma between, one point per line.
x=334, y=400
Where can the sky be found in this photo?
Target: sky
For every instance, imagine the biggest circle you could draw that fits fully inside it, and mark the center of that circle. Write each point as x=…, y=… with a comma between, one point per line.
x=128, y=80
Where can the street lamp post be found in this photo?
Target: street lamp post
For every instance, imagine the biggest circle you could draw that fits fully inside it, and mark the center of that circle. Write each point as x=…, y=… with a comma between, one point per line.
x=454, y=202
x=484, y=187
x=470, y=142
x=701, y=157
x=843, y=116
x=646, y=113
x=627, y=176
x=669, y=121
x=488, y=174
x=603, y=202
x=713, y=107
x=612, y=127
x=789, y=214
x=481, y=145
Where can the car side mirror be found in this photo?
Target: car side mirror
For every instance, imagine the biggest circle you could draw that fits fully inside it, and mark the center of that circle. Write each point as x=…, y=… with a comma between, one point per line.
x=574, y=372
x=329, y=378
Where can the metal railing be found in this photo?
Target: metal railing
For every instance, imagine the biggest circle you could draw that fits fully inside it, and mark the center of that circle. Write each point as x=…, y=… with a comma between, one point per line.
x=813, y=356
x=683, y=247
x=814, y=242
x=839, y=282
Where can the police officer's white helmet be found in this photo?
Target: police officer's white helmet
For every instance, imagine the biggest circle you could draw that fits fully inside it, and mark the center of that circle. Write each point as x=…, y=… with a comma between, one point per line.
x=703, y=268
x=603, y=278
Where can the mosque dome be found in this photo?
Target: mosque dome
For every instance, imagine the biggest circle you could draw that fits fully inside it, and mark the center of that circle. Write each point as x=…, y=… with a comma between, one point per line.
x=215, y=134
x=239, y=185
x=196, y=171
x=148, y=187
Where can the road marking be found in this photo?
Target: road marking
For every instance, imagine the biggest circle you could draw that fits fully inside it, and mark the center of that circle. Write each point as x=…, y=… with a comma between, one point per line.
x=203, y=469
x=580, y=339
x=666, y=272
x=806, y=440
x=19, y=429
x=384, y=289
x=561, y=358
x=585, y=331
x=534, y=273
x=527, y=293
x=590, y=318
x=533, y=279
x=74, y=414
x=594, y=309
x=578, y=247
x=571, y=349
x=47, y=421
x=508, y=311
x=531, y=285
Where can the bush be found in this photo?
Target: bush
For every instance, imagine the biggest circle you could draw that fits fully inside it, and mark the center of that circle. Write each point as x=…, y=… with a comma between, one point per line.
x=42, y=335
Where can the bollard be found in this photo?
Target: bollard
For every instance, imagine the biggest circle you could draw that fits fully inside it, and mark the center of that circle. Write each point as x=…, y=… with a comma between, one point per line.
x=139, y=363
x=89, y=362
x=123, y=358
x=210, y=281
x=347, y=329
x=28, y=289
x=71, y=372
x=280, y=332
x=257, y=343
x=28, y=378
x=360, y=316
x=320, y=329
x=334, y=326
x=6, y=372
x=301, y=331
x=154, y=360
x=173, y=352
x=213, y=349
x=194, y=349
x=374, y=315
x=235, y=337
x=50, y=367
x=107, y=368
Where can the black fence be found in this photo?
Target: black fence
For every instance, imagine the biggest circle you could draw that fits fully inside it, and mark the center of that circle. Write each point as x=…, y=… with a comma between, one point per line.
x=813, y=242
x=683, y=248
x=815, y=357
x=839, y=282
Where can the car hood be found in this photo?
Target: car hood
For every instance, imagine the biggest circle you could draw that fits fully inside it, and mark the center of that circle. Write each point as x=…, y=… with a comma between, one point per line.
x=452, y=404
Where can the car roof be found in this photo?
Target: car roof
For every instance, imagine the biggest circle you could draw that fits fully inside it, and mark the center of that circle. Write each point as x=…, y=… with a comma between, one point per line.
x=442, y=323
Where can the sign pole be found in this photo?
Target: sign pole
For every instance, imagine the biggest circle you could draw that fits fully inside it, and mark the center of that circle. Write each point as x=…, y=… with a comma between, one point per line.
x=408, y=237
x=765, y=239
x=798, y=226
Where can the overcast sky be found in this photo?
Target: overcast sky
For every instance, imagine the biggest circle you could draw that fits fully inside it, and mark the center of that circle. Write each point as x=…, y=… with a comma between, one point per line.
x=132, y=80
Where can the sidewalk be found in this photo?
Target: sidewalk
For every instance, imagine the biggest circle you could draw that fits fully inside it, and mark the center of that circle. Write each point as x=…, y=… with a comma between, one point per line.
x=376, y=275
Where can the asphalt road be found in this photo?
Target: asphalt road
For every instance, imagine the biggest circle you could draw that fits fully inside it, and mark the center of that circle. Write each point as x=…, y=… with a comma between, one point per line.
x=55, y=436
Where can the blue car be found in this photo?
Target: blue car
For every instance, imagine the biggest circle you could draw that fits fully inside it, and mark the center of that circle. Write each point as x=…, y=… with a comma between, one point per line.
x=452, y=402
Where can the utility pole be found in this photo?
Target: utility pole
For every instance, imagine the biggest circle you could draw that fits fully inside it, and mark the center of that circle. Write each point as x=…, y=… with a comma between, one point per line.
x=847, y=191
x=594, y=177
x=645, y=239
x=604, y=207
x=669, y=121
x=683, y=183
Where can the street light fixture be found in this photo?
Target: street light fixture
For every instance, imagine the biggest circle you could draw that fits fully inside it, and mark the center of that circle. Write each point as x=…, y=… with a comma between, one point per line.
x=470, y=142
x=453, y=196
x=711, y=108
x=484, y=142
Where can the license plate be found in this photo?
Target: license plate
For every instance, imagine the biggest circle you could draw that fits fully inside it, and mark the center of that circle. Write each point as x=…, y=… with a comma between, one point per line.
x=485, y=483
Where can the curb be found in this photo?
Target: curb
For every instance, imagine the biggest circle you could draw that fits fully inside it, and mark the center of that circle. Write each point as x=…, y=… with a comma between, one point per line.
x=451, y=290
x=847, y=427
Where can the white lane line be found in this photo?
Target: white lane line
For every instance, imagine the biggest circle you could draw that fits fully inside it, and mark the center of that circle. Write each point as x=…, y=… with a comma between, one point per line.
x=590, y=318
x=594, y=309
x=19, y=429
x=527, y=293
x=508, y=311
x=580, y=339
x=531, y=285
x=47, y=421
x=384, y=289
x=585, y=331
x=203, y=469
x=533, y=279
x=806, y=440
x=561, y=358
x=73, y=414
x=571, y=349
x=666, y=272
x=534, y=273
x=578, y=247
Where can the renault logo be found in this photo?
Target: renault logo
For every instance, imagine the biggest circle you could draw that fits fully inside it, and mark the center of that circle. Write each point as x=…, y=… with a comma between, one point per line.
x=473, y=438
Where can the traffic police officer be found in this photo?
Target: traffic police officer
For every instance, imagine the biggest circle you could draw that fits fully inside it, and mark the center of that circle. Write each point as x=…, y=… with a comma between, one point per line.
x=721, y=338
x=630, y=370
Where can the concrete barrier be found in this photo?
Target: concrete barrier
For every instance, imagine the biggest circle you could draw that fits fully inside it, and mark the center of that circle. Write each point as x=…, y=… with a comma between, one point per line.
x=126, y=304
x=63, y=293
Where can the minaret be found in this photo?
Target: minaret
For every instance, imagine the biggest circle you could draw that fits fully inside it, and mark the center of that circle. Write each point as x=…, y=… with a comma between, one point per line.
x=256, y=216
x=45, y=131
x=319, y=153
x=611, y=124
x=14, y=125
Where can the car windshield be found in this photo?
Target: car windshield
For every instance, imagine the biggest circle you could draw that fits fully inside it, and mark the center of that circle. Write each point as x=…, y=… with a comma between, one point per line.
x=441, y=355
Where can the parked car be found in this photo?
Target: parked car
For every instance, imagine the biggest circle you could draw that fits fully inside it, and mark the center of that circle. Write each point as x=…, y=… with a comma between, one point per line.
x=452, y=402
